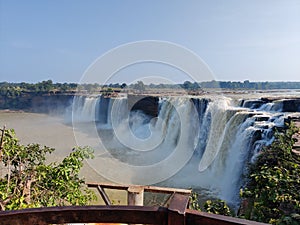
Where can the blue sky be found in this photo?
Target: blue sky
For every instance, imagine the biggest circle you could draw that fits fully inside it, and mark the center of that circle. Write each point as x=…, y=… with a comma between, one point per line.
x=258, y=40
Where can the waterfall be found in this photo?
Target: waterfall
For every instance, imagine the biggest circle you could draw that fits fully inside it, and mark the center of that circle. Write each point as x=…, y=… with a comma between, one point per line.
x=194, y=142
x=219, y=114
x=84, y=108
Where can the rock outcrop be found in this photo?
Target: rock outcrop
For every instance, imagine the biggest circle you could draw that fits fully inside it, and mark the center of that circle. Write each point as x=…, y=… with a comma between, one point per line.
x=37, y=102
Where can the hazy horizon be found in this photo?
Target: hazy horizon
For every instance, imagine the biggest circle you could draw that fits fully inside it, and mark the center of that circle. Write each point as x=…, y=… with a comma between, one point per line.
x=147, y=83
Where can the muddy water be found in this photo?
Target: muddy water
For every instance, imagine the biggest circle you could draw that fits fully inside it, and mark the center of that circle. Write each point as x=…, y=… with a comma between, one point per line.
x=53, y=132
x=46, y=130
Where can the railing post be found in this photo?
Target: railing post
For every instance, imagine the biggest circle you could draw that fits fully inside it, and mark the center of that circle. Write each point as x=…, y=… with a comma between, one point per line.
x=135, y=195
x=104, y=195
x=177, y=207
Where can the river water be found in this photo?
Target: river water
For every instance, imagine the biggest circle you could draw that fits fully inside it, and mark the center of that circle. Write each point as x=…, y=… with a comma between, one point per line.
x=49, y=131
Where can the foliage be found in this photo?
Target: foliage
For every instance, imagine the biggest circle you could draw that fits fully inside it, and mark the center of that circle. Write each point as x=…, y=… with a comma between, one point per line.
x=124, y=85
x=193, y=203
x=250, y=85
x=187, y=85
x=27, y=181
x=272, y=194
x=139, y=86
x=10, y=90
x=217, y=207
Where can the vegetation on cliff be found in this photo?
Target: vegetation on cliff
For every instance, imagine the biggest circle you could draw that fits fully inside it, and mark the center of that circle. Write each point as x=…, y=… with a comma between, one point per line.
x=272, y=193
x=26, y=180
x=215, y=206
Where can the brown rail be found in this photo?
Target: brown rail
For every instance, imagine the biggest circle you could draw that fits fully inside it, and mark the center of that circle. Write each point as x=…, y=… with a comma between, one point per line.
x=136, y=192
x=176, y=214
x=84, y=214
x=154, y=189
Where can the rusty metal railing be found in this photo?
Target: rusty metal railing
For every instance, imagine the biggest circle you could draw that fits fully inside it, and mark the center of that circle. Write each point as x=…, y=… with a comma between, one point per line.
x=176, y=214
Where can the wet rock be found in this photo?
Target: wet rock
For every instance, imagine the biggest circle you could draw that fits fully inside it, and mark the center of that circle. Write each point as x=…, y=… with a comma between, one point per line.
x=284, y=105
x=147, y=104
x=262, y=118
x=37, y=102
x=253, y=104
x=294, y=116
x=262, y=126
x=257, y=136
x=291, y=105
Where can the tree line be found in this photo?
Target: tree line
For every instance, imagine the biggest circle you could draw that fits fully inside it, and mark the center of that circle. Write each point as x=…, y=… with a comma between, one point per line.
x=12, y=90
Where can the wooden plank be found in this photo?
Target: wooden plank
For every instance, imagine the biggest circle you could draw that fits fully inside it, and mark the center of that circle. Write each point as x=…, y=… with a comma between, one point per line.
x=104, y=195
x=108, y=185
x=85, y=214
x=166, y=203
x=194, y=217
x=175, y=218
x=179, y=203
x=177, y=208
x=153, y=189
x=166, y=190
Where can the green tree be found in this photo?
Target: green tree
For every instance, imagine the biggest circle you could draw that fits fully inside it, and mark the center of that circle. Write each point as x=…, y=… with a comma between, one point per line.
x=27, y=181
x=124, y=85
x=140, y=86
x=187, y=85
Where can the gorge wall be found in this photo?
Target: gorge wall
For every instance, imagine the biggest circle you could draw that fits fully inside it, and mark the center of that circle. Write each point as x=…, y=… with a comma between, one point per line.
x=57, y=102
x=37, y=102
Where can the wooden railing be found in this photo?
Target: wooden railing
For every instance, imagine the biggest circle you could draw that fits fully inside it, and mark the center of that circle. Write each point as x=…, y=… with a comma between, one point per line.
x=175, y=214
x=135, y=193
x=116, y=214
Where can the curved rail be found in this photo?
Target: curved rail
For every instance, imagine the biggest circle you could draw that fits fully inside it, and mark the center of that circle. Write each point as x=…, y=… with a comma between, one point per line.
x=85, y=214
x=175, y=214
x=115, y=214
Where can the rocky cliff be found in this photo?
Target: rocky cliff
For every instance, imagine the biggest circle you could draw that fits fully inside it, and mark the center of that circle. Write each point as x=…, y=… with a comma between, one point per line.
x=37, y=102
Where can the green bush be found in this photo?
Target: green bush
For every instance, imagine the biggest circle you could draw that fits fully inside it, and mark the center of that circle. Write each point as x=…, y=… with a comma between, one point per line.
x=273, y=191
x=218, y=207
x=215, y=206
x=27, y=181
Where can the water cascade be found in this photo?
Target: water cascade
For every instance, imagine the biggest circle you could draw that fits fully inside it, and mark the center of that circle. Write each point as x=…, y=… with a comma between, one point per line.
x=214, y=139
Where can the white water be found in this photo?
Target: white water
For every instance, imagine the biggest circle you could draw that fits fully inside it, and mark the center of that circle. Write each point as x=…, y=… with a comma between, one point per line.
x=84, y=109
x=176, y=148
